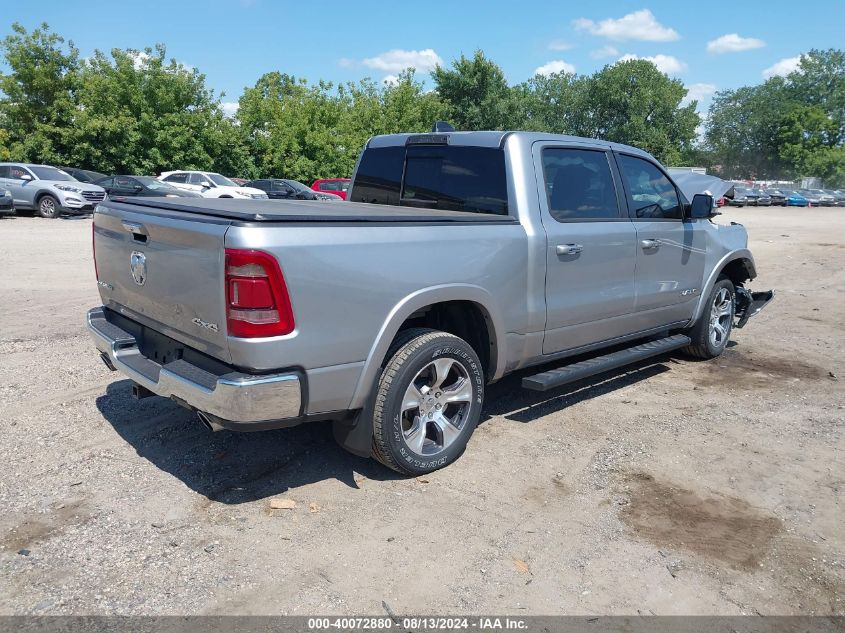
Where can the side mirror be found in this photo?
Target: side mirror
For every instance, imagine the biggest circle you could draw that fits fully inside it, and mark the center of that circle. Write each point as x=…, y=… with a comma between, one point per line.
x=205, y=184
x=700, y=207
x=138, y=188
x=25, y=177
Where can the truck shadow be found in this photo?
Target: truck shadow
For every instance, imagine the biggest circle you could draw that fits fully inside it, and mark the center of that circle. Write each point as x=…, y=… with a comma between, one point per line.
x=507, y=398
x=227, y=467
x=234, y=468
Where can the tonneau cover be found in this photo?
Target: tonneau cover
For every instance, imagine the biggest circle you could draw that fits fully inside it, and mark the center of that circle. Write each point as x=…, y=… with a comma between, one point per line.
x=305, y=210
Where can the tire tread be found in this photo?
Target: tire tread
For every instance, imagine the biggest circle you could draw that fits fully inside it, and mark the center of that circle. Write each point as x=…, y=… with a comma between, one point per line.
x=403, y=348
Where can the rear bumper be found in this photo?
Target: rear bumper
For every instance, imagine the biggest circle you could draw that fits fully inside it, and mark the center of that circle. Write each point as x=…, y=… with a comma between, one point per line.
x=237, y=400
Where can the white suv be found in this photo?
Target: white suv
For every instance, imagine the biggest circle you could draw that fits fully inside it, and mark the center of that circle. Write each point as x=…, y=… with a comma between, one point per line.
x=209, y=184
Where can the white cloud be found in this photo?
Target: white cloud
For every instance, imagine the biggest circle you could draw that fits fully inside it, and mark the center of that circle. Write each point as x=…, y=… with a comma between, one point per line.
x=733, y=43
x=639, y=25
x=782, y=68
x=390, y=80
x=230, y=108
x=555, y=66
x=559, y=45
x=397, y=59
x=665, y=63
x=604, y=52
x=697, y=92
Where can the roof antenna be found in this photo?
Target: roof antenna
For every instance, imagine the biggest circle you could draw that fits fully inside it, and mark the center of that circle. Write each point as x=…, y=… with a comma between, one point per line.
x=442, y=126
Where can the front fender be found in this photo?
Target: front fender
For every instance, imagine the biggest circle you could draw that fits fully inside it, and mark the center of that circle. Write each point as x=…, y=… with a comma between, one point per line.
x=417, y=301
x=735, y=255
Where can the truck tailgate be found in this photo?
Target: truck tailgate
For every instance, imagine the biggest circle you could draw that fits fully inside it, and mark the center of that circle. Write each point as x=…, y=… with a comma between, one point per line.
x=167, y=273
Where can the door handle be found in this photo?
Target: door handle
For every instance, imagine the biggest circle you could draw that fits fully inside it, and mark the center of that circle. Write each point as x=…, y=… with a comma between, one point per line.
x=649, y=245
x=134, y=227
x=569, y=249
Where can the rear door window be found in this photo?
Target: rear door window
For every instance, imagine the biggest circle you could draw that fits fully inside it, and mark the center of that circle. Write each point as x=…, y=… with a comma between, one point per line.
x=181, y=177
x=579, y=185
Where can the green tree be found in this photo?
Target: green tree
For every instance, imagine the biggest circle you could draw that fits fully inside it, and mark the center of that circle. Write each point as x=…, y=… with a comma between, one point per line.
x=743, y=127
x=634, y=103
x=140, y=113
x=38, y=108
x=552, y=103
x=477, y=96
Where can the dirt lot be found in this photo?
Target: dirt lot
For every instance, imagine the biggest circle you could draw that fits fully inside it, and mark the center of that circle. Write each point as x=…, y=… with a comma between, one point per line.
x=674, y=487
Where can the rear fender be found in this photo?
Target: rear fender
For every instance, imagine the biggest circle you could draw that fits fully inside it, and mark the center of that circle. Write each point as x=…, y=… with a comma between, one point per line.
x=417, y=301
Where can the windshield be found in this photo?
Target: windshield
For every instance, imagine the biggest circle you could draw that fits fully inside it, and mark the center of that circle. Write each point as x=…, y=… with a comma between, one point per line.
x=50, y=173
x=299, y=186
x=221, y=181
x=153, y=183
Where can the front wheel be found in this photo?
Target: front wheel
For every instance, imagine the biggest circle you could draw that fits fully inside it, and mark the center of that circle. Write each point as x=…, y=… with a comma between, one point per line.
x=427, y=403
x=48, y=207
x=712, y=331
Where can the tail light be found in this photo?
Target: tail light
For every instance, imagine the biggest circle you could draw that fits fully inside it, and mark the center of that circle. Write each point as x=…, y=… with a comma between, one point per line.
x=257, y=301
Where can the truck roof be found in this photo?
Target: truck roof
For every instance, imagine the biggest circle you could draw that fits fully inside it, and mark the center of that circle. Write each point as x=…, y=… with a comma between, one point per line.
x=491, y=138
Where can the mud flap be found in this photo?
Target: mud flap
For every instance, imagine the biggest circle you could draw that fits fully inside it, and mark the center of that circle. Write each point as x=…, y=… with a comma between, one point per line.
x=355, y=435
x=749, y=304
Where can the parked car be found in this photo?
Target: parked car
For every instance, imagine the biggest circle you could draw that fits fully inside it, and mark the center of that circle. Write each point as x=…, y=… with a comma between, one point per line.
x=143, y=186
x=239, y=181
x=7, y=203
x=83, y=175
x=813, y=199
x=286, y=189
x=209, y=184
x=48, y=190
x=477, y=254
x=777, y=197
x=794, y=199
x=839, y=196
x=336, y=186
x=750, y=196
x=826, y=199
x=763, y=198
x=740, y=198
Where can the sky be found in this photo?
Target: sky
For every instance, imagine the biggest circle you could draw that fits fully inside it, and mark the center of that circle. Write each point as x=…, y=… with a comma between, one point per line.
x=710, y=46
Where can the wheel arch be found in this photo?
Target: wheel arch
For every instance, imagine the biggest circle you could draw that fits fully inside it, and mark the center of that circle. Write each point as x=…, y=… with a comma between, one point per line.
x=45, y=192
x=738, y=266
x=448, y=303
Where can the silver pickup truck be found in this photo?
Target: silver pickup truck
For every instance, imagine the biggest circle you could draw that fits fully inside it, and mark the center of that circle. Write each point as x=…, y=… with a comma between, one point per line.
x=461, y=257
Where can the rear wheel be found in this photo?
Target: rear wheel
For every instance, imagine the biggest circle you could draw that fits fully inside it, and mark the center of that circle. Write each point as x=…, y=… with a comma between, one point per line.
x=427, y=402
x=712, y=331
x=48, y=207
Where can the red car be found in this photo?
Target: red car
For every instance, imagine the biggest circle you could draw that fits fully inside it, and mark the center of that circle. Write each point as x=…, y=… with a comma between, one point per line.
x=337, y=186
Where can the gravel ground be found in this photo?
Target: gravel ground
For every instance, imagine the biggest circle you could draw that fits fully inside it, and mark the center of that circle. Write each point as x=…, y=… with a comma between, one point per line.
x=672, y=487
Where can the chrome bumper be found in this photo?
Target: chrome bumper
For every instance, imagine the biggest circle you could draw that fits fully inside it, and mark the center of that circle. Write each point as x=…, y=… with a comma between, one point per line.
x=235, y=397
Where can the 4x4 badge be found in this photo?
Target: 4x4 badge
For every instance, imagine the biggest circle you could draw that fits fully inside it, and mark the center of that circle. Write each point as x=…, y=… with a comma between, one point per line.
x=138, y=267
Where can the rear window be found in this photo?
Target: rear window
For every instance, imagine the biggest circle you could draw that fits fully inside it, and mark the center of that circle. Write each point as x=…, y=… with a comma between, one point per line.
x=435, y=177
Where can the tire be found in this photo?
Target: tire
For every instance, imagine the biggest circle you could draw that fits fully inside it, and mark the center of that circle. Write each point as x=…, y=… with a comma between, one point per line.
x=708, y=339
x=48, y=207
x=440, y=376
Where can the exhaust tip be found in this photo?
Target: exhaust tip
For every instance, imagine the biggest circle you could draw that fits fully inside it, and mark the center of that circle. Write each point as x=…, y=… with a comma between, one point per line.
x=107, y=361
x=208, y=422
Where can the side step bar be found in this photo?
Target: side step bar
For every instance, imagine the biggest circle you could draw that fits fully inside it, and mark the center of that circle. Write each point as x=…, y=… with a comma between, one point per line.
x=553, y=378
